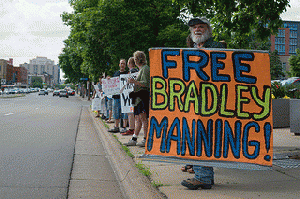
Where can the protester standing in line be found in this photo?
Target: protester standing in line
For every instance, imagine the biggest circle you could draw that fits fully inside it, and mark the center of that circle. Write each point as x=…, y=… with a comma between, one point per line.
x=142, y=96
x=200, y=37
x=95, y=93
x=131, y=120
x=117, y=101
x=108, y=106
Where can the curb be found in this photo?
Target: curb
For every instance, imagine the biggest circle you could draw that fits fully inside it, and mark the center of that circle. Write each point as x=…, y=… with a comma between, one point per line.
x=133, y=184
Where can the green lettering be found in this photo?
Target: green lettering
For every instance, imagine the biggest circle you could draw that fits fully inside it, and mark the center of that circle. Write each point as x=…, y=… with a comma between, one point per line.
x=191, y=95
x=224, y=98
x=204, y=99
x=240, y=100
x=176, y=94
x=159, y=91
x=265, y=104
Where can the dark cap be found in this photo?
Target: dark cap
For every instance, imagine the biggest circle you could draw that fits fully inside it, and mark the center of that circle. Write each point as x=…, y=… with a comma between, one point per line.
x=195, y=21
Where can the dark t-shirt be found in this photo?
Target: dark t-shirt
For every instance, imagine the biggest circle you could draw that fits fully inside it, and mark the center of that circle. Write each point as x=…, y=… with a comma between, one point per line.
x=118, y=73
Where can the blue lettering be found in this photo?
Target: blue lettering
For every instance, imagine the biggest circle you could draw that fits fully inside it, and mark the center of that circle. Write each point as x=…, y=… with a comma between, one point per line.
x=168, y=63
x=234, y=142
x=154, y=125
x=216, y=65
x=197, y=66
x=247, y=143
x=205, y=137
x=186, y=137
x=239, y=68
x=171, y=136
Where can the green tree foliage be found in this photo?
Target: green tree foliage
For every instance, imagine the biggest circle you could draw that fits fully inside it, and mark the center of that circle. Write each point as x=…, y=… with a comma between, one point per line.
x=235, y=20
x=37, y=82
x=103, y=32
x=276, y=66
x=294, y=62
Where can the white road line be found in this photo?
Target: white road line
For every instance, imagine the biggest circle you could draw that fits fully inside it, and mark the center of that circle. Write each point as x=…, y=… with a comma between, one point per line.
x=9, y=114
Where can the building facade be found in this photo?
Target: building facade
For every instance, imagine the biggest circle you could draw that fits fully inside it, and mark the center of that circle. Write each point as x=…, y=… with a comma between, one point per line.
x=3, y=71
x=43, y=66
x=20, y=76
x=286, y=42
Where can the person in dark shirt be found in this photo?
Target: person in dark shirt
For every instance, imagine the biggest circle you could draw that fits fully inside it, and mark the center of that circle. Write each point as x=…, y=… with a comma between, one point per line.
x=200, y=37
x=116, y=101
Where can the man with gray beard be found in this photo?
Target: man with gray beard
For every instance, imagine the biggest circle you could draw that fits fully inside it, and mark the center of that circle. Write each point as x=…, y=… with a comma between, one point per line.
x=201, y=34
x=200, y=37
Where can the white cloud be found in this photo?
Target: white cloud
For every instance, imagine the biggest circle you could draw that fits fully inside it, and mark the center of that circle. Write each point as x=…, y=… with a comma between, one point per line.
x=31, y=28
x=292, y=13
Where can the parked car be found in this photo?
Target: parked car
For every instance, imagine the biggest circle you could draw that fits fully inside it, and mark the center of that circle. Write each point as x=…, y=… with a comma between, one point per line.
x=56, y=93
x=12, y=91
x=63, y=93
x=42, y=92
x=71, y=92
x=46, y=92
x=289, y=81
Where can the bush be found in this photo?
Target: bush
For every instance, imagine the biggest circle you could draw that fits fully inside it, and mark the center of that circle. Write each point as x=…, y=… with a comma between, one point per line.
x=293, y=91
x=278, y=90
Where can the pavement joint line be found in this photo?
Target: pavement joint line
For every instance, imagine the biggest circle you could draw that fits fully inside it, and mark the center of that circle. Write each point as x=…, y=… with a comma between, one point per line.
x=135, y=185
x=87, y=179
x=85, y=154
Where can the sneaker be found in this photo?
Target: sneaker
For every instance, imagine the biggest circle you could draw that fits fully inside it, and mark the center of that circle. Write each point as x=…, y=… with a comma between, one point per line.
x=114, y=130
x=142, y=143
x=194, y=184
x=129, y=132
x=123, y=130
x=131, y=142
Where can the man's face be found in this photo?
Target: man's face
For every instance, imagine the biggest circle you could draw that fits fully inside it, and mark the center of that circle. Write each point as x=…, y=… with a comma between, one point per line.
x=200, y=33
x=199, y=29
x=122, y=65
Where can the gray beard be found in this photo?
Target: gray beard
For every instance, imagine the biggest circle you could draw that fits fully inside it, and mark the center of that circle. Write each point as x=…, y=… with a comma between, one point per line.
x=200, y=39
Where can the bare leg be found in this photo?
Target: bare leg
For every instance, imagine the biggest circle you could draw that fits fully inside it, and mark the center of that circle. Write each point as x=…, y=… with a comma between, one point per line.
x=125, y=122
x=131, y=120
x=144, y=120
x=117, y=122
x=138, y=125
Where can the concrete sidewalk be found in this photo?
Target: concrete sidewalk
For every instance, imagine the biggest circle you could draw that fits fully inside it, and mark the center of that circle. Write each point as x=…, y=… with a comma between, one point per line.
x=280, y=182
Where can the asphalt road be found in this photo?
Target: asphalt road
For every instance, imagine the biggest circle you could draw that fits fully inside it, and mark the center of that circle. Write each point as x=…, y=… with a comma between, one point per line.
x=37, y=145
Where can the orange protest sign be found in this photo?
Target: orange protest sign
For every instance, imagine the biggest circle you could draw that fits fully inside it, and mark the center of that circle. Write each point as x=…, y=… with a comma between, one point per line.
x=210, y=105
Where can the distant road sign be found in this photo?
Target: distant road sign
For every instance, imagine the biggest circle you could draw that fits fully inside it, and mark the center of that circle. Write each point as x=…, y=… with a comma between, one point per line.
x=84, y=79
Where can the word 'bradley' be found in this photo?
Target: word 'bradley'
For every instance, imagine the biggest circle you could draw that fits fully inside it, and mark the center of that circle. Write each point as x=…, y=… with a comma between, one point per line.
x=190, y=94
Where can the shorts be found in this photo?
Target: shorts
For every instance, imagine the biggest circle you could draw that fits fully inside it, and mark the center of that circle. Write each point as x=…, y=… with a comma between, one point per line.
x=117, y=109
x=125, y=116
x=141, y=107
x=109, y=104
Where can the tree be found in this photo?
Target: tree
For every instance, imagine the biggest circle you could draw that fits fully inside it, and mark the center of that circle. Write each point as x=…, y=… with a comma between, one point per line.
x=275, y=66
x=70, y=62
x=103, y=32
x=235, y=20
x=37, y=82
x=294, y=62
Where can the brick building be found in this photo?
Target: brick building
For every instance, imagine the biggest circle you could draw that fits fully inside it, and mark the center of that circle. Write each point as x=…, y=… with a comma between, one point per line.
x=20, y=75
x=286, y=42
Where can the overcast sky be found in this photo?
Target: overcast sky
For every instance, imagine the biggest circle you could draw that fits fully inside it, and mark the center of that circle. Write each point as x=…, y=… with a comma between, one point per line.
x=31, y=28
